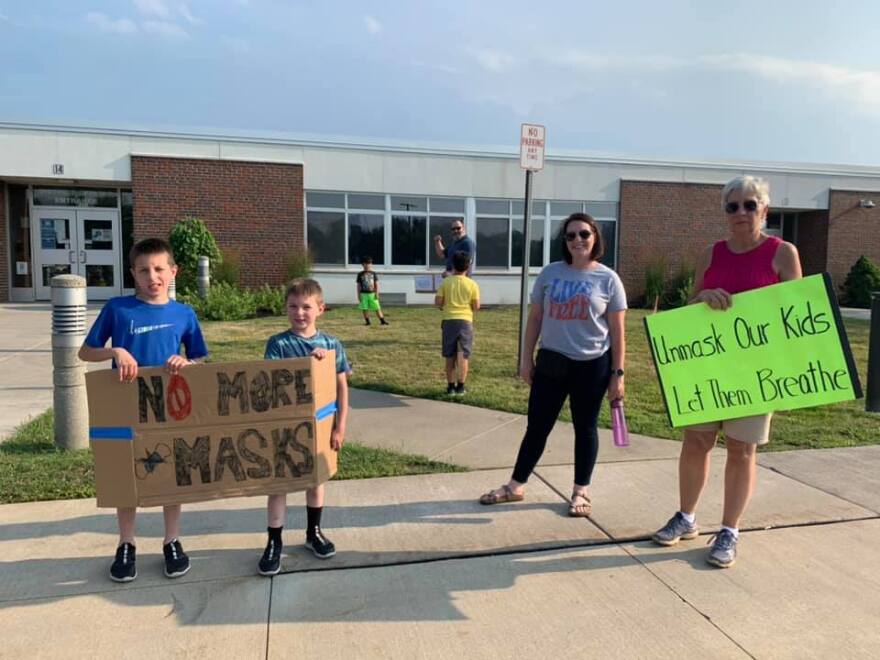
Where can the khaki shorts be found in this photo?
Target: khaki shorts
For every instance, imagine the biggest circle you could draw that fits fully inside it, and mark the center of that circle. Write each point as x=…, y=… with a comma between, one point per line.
x=752, y=430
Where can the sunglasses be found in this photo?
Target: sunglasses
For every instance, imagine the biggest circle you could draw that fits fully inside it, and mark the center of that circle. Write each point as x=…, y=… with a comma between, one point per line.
x=583, y=234
x=749, y=206
x=457, y=229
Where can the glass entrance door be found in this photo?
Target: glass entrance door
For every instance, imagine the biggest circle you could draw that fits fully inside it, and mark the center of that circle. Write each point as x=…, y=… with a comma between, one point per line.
x=98, y=255
x=77, y=241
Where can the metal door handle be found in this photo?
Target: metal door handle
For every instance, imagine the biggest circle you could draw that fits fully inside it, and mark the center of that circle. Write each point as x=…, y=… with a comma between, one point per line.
x=71, y=256
x=82, y=256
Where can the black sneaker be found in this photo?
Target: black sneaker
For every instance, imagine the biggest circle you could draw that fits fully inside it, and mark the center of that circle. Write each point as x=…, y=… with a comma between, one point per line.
x=366, y=321
x=460, y=389
x=176, y=561
x=450, y=389
x=123, y=568
x=270, y=562
x=383, y=321
x=320, y=545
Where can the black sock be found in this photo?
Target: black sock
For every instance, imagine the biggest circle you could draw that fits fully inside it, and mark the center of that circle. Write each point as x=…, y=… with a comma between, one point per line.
x=313, y=516
x=274, y=533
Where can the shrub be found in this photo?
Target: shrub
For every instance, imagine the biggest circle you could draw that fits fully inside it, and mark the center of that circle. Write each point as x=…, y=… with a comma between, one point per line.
x=190, y=239
x=228, y=270
x=270, y=300
x=863, y=278
x=297, y=264
x=224, y=302
x=681, y=287
x=655, y=283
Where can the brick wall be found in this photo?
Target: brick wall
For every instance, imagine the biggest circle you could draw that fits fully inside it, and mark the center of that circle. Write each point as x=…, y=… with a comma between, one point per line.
x=669, y=221
x=4, y=247
x=852, y=231
x=812, y=241
x=253, y=208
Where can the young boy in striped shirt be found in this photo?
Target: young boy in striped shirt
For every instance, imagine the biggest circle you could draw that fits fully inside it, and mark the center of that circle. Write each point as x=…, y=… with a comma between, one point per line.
x=305, y=303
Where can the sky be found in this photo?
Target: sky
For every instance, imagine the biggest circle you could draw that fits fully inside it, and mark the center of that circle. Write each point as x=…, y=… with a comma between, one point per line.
x=775, y=80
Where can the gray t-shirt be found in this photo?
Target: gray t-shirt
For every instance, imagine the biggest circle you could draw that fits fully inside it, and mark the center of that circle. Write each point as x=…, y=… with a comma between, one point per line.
x=575, y=302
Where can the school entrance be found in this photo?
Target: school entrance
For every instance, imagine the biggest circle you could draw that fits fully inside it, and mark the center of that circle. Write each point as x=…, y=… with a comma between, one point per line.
x=76, y=231
x=80, y=242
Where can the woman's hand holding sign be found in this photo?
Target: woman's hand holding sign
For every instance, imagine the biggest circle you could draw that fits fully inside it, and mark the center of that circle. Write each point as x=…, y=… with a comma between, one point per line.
x=715, y=298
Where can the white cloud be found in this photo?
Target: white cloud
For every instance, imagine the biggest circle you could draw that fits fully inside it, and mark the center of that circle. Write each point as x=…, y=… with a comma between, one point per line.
x=187, y=14
x=164, y=28
x=373, y=25
x=861, y=87
x=152, y=8
x=444, y=68
x=495, y=61
x=582, y=60
x=107, y=24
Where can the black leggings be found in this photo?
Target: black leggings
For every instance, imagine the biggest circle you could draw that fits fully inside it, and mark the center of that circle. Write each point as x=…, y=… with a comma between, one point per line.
x=585, y=383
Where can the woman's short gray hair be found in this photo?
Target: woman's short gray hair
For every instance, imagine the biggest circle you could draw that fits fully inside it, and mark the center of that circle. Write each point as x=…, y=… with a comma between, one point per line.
x=749, y=185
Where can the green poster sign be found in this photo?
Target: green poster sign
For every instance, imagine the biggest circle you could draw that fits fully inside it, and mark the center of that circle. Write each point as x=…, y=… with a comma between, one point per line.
x=776, y=348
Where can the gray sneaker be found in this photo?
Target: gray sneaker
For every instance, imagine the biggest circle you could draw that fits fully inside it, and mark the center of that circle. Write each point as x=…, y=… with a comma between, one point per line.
x=723, y=552
x=674, y=530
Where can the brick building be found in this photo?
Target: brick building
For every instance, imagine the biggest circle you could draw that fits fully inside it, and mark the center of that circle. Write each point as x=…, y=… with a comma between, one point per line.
x=73, y=199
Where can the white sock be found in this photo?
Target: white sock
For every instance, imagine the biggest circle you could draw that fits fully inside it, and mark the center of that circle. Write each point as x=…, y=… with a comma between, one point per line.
x=732, y=530
x=688, y=517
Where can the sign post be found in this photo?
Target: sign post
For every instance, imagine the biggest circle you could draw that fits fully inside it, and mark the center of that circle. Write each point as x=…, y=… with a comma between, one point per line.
x=531, y=159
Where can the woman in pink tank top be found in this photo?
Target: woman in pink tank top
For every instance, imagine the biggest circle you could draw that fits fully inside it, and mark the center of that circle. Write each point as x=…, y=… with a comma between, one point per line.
x=747, y=259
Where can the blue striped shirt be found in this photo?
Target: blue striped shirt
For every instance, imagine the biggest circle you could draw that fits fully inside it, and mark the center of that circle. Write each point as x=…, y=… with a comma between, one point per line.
x=288, y=345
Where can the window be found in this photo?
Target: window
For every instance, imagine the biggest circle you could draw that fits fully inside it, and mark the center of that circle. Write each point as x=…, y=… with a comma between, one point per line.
x=493, y=236
x=367, y=202
x=19, y=234
x=366, y=238
x=126, y=216
x=327, y=237
x=95, y=198
x=500, y=238
x=408, y=239
x=325, y=200
x=409, y=204
x=536, y=253
x=447, y=205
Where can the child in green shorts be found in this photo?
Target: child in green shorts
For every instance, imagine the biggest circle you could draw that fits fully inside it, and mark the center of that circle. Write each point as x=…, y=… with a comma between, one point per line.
x=367, y=284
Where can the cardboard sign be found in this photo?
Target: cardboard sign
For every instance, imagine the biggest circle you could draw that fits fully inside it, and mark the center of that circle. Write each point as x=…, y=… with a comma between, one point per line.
x=780, y=347
x=212, y=431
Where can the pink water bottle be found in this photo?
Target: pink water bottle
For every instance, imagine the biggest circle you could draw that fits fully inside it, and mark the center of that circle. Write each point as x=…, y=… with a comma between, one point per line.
x=618, y=424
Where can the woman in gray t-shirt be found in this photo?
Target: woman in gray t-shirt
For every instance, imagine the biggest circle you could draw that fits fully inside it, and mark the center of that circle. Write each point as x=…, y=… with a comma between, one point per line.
x=577, y=309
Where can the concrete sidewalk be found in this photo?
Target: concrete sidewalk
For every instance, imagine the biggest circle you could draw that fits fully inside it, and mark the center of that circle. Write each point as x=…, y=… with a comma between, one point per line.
x=424, y=571
x=26, y=362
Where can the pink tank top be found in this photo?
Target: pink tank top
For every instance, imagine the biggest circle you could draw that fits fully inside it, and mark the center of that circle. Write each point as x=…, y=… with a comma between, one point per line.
x=736, y=273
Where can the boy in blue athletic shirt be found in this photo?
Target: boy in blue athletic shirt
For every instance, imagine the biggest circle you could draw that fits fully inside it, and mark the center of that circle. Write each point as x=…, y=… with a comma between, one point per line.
x=146, y=330
x=305, y=303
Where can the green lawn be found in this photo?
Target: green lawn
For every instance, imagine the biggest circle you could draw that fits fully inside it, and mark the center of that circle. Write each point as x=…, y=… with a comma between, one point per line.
x=33, y=469
x=404, y=358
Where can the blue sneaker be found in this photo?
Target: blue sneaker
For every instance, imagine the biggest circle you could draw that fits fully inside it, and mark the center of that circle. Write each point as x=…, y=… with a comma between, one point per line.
x=674, y=530
x=723, y=552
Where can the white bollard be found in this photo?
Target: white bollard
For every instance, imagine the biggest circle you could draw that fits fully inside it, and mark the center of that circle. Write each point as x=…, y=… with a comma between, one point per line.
x=69, y=372
x=204, y=277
